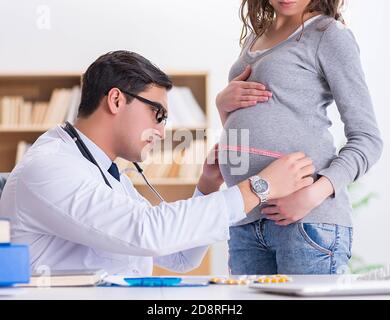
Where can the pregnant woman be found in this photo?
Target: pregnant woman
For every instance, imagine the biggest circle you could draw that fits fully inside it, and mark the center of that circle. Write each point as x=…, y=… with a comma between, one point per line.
x=302, y=53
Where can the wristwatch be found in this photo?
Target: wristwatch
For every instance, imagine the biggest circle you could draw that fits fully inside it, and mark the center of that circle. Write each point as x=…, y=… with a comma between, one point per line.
x=260, y=187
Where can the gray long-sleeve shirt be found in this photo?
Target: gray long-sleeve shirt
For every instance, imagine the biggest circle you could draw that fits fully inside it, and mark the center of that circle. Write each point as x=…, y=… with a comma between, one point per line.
x=305, y=77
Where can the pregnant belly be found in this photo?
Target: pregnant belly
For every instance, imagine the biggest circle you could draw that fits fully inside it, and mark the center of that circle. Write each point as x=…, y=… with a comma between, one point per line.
x=255, y=137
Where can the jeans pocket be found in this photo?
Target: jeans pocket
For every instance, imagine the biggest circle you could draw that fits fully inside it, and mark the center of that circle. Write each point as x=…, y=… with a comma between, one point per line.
x=321, y=236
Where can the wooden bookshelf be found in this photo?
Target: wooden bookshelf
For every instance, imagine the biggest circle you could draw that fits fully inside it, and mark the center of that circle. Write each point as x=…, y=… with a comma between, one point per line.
x=34, y=88
x=39, y=87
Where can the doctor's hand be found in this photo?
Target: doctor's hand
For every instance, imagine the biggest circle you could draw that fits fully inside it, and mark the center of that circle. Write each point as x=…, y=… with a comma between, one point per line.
x=240, y=93
x=285, y=176
x=211, y=178
x=288, y=174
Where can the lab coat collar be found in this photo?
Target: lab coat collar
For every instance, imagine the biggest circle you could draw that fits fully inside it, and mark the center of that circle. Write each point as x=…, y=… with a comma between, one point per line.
x=100, y=156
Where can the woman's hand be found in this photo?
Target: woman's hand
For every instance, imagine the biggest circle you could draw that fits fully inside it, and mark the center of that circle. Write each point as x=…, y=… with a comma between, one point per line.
x=211, y=178
x=291, y=208
x=298, y=205
x=240, y=94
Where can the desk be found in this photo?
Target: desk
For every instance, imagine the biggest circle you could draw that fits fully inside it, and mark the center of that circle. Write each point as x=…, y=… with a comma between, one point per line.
x=212, y=292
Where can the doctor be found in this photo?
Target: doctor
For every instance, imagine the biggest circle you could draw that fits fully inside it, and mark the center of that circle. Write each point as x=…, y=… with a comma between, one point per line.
x=75, y=210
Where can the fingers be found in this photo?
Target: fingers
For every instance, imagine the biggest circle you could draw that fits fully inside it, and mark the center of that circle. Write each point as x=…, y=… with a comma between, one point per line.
x=304, y=162
x=276, y=217
x=279, y=218
x=273, y=213
x=253, y=85
x=307, y=171
x=215, y=152
x=305, y=182
x=270, y=210
x=256, y=92
x=254, y=98
x=244, y=104
x=295, y=156
x=244, y=75
x=248, y=85
x=272, y=202
x=212, y=156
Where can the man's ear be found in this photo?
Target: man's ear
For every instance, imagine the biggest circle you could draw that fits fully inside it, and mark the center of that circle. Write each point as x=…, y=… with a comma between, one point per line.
x=114, y=100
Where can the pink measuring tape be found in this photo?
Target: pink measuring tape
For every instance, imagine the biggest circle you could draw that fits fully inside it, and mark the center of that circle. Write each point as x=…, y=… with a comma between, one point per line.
x=261, y=152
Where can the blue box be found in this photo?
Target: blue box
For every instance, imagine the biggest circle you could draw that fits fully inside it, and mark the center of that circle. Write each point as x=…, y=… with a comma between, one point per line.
x=14, y=264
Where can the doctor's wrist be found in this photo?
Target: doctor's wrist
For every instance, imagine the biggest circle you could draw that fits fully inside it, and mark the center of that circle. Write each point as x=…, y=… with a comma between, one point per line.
x=251, y=200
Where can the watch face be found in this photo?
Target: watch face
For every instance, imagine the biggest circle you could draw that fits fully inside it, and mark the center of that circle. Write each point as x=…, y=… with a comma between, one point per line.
x=260, y=186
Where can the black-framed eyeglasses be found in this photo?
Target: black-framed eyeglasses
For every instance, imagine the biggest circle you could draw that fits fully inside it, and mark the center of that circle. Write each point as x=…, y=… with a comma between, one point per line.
x=161, y=112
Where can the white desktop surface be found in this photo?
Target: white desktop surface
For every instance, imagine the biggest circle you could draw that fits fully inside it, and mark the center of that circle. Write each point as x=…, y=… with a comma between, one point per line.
x=211, y=292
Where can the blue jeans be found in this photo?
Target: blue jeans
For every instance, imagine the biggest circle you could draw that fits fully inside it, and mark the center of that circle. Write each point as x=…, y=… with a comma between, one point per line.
x=262, y=247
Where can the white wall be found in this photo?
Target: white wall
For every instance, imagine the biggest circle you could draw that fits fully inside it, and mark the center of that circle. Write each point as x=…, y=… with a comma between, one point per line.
x=371, y=27
x=57, y=36
x=174, y=34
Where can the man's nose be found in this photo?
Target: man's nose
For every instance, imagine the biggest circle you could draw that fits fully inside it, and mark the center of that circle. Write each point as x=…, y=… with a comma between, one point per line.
x=161, y=132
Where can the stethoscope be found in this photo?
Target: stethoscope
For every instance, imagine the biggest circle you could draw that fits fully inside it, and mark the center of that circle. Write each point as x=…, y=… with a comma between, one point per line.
x=68, y=128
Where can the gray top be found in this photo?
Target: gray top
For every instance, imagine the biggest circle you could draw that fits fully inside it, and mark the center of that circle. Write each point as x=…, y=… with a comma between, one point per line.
x=305, y=77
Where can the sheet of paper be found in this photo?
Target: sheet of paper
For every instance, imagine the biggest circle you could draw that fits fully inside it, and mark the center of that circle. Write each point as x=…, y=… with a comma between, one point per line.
x=9, y=291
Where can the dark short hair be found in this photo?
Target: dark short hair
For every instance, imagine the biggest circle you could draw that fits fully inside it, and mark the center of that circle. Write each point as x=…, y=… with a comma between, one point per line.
x=121, y=69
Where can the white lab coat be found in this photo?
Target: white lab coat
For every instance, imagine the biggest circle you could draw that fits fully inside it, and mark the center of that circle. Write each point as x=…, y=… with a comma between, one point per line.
x=59, y=205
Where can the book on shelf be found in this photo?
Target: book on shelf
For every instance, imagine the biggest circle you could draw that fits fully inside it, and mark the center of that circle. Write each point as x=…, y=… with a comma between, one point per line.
x=38, y=113
x=184, y=110
x=62, y=106
x=179, y=163
x=74, y=104
x=5, y=231
x=192, y=162
x=10, y=109
x=25, y=113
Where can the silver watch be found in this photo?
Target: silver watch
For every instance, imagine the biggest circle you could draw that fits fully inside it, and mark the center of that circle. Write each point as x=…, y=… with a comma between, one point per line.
x=260, y=187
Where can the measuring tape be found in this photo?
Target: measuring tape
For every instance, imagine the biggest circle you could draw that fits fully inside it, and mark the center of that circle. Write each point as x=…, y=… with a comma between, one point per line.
x=261, y=152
